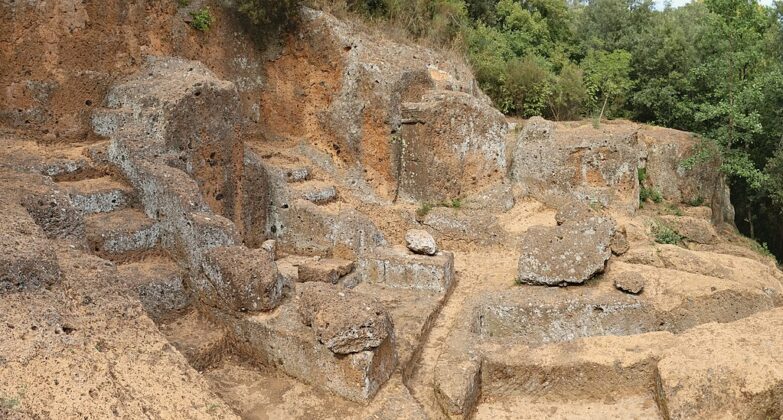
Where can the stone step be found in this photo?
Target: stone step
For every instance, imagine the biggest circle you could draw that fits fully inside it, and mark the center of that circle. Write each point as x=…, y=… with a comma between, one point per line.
x=122, y=235
x=632, y=407
x=99, y=195
x=290, y=172
x=201, y=342
x=317, y=192
x=328, y=270
x=286, y=167
x=159, y=282
x=76, y=163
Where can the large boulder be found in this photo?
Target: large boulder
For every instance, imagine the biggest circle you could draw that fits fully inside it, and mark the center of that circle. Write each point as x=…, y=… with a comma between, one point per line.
x=557, y=161
x=344, y=321
x=238, y=279
x=570, y=253
x=666, y=154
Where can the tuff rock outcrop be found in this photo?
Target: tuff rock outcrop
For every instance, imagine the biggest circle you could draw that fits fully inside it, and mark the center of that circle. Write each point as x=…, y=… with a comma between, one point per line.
x=196, y=226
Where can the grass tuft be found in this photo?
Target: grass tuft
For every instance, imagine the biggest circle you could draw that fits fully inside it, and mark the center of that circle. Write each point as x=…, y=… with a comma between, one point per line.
x=202, y=19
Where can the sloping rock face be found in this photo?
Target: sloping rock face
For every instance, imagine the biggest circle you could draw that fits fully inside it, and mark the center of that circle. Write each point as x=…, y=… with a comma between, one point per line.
x=395, y=110
x=556, y=162
x=665, y=150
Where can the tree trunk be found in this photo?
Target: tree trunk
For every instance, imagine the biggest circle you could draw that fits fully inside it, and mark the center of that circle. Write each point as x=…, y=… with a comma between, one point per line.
x=603, y=108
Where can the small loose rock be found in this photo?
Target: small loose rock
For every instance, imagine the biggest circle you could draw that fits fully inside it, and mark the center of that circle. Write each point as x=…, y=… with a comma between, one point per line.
x=421, y=242
x=630, y=282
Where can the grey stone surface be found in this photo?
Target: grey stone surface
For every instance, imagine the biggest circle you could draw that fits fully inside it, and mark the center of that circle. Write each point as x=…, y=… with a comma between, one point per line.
x=421, y=242
x=630, y=282
x=326, y=270
x=452, y=143
x=282, y=341
x=344, y=321
x=238, y=279
x=397, y=267
x=568, y=254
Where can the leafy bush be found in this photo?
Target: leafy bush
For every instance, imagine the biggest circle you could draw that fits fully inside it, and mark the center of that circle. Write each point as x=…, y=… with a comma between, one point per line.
x=270, y=14
x=202, y=19
x=673, y=209
x=762, y=248
x=646, y=192
x=665, y=234
x=529, y=84
x=651, y=194
x=696, y=201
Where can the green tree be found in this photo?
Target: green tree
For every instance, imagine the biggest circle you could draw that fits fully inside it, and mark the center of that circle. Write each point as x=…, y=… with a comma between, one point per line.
x=608, y=77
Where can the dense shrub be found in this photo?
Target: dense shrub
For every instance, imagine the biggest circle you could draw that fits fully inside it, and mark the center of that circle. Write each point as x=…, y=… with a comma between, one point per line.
x=270, y=14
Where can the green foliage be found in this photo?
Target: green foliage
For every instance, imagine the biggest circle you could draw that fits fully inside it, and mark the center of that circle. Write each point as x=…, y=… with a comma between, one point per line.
x=608, y=78
x=270, y=14
x=423, y=210
x=672, y=208
x=642, y=174
x=9, y=403
x=202, y=19
x=529, y=84
x=665, y=234
x=646, y=192
x=455, y=203
x=762, y=248
x=651, y=194
x=696, y=201
x=183, y=3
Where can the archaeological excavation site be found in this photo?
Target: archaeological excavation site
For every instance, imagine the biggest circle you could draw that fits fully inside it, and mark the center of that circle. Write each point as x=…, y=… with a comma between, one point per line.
x=339, y=225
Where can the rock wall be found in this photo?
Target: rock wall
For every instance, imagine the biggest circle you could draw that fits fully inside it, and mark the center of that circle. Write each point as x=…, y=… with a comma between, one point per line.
x=356, y=95
x=556, y=162
x=58, y=58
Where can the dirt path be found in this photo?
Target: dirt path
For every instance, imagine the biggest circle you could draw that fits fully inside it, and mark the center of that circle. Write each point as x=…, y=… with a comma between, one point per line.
x=476, y=272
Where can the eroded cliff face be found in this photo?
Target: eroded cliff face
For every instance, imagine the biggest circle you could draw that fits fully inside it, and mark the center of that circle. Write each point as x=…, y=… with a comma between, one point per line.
x=343, y=226
x=59, y=58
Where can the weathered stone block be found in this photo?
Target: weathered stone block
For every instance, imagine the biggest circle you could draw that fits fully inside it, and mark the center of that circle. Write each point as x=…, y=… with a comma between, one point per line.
x=725, y=370
x=398, y=267
x=327, y=270
x=281, y=340
x=452, y=143
x=559, y=162
x=238, y=279
x=344, y=321
x=571, y=253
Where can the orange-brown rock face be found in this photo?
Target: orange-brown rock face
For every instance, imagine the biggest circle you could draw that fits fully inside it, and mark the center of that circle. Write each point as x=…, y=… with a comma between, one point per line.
x=354, y=94
x=59, y=58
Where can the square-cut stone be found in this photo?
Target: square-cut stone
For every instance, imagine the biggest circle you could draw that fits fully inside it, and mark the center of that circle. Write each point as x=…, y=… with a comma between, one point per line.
x=398, y=267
